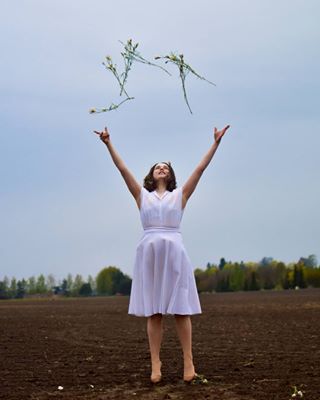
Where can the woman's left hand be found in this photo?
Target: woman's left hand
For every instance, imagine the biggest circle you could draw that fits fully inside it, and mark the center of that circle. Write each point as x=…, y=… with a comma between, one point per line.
x=218, y=134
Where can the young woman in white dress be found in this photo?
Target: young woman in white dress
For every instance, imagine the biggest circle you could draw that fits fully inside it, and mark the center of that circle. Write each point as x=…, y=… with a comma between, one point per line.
x=163, y=280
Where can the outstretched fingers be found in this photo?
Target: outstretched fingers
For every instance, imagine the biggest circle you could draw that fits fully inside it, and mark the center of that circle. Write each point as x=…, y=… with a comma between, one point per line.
x=219, y=134
x=100, y=132
x=104, y=135
x=225, y=129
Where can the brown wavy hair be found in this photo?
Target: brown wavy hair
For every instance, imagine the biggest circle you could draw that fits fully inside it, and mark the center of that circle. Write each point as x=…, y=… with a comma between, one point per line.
x=150, y=184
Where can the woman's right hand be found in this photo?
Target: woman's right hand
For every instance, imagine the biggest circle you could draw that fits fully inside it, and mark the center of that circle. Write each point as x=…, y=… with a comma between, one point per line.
x=219, y=134
x=104, y=135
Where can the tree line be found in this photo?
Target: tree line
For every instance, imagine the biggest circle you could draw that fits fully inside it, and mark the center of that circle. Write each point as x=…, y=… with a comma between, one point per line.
x=226, y=276
x=109, y=281
x=267, y=274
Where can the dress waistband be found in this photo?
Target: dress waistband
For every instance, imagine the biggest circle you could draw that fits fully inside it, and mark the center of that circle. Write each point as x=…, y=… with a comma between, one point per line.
x=161, y=229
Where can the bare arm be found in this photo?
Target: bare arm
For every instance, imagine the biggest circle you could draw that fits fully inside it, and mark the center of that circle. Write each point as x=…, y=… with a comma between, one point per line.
x=132, y=184
x=189, y=187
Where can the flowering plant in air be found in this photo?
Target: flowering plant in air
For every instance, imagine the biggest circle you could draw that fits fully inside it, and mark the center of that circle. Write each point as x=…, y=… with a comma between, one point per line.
x=130, y=55
x=184, y=70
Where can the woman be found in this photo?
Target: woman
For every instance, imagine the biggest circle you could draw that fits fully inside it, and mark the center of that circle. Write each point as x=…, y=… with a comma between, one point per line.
x=163, y=280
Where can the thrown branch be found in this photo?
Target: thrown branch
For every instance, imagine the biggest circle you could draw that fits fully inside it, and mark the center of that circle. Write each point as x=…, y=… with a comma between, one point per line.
x=110, y=108
x=184, y=69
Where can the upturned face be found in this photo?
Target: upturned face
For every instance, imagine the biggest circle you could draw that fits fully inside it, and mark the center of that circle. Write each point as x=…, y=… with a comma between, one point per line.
x=161, y=171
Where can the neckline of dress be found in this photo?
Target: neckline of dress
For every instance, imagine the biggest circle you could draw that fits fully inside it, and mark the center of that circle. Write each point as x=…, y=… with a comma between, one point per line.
x=158, y=196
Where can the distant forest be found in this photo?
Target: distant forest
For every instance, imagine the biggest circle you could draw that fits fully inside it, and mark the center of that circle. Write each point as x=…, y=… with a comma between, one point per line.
x=227, y=276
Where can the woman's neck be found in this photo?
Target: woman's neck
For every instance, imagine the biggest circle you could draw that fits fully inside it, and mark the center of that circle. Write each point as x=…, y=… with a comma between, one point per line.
x=161, y=187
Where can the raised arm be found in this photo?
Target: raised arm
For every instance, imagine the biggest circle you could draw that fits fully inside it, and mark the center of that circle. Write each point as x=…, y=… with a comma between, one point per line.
x=133, y=185
x=189, y=187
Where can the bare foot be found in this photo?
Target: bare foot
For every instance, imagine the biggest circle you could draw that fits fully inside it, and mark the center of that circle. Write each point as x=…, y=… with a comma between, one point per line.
x=188, y=371
x=156, y=372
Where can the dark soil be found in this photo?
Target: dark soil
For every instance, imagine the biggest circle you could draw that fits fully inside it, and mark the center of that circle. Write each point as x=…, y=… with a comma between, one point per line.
x=255, y=345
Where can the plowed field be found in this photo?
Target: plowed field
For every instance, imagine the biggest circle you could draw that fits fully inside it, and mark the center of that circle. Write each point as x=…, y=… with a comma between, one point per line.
x=254, y=345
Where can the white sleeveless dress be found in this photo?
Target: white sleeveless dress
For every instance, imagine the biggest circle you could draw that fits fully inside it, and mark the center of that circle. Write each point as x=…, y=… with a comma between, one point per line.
x=163, y=279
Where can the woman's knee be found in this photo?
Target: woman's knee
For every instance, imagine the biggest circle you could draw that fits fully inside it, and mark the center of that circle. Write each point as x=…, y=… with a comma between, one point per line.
x=181, y=317
x=155, y=318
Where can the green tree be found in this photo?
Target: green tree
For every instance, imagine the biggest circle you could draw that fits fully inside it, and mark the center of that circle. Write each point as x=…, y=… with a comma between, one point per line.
x=69, y=282
x=4, y=290
x=298, y=276
x=280, y=274
x=50, y=282
x=124, y=286
x=21, y=289
x=222, y=263
x=6, y=282
x=251, y=282
x=32, y=285
x=223, y=281
x=286, y=281
x=13, y=287
x=266, y=275
x=67, y=285
x=312, y=276
x=111, y=280
x=64, y=288
x=104, y=281
x=237, y=276
x=41, y=284
x=203, y=280
x=85, y=289
x=310, y=261
x=77, y=284
x=266, y=261
x=92, y=282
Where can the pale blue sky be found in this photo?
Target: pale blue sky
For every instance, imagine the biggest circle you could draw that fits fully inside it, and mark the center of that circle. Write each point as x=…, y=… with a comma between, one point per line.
x=64, y=207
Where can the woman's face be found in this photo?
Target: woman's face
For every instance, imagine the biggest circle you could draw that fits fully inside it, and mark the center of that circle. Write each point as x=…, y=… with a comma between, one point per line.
x=161, y=171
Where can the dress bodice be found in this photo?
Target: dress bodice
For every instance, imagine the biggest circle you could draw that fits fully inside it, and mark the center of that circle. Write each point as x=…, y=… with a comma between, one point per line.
x=161, y=212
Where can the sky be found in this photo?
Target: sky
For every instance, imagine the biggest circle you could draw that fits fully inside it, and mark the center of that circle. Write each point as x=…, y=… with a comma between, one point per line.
x=64, y=207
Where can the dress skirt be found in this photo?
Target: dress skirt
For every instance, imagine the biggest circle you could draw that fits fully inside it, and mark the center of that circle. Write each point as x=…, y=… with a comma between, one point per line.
x=163, y=279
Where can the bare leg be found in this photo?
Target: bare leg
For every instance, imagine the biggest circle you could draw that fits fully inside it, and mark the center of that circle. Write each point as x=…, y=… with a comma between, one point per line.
x=155, y=333
x=184, y=330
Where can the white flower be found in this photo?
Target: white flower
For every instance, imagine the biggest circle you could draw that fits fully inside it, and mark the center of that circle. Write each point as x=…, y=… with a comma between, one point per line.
x=300, y=393
x=60, y=387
